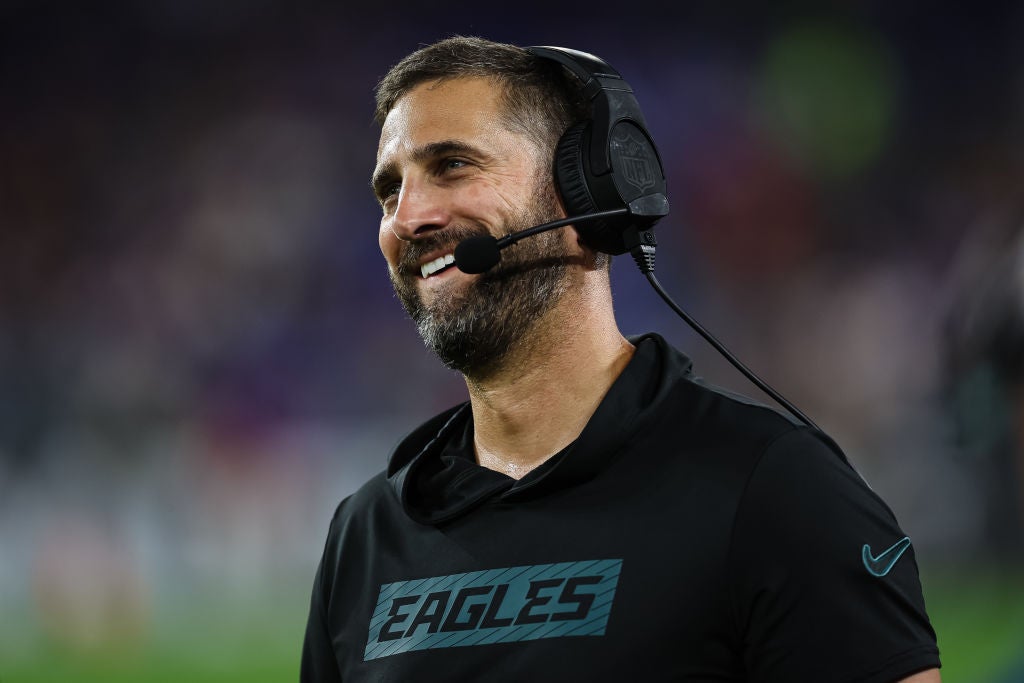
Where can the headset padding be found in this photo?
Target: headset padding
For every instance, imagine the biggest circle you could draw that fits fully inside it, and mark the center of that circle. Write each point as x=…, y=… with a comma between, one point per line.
x=569, y=173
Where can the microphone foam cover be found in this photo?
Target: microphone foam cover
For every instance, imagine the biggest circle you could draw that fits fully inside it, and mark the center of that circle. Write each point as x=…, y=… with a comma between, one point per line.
x=477, y=254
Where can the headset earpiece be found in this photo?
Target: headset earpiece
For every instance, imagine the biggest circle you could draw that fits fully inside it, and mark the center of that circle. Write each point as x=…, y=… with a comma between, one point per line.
x=569, y=172
x=608, y=161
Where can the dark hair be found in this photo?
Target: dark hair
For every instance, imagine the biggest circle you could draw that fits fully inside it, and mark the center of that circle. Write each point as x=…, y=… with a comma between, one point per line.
x=541, y=99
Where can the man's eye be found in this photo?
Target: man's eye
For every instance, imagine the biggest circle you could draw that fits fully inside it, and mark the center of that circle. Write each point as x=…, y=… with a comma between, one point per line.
x=453, y=164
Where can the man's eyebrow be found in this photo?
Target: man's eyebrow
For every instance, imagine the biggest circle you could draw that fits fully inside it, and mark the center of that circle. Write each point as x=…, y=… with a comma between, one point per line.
x=433, y=150
x=383, y=175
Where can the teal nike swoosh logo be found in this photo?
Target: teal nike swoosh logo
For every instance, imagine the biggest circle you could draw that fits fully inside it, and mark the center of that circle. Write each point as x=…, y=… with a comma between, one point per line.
x=887, y=559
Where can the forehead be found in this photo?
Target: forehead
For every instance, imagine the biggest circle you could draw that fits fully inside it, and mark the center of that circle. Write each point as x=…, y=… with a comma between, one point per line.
x=465, y=109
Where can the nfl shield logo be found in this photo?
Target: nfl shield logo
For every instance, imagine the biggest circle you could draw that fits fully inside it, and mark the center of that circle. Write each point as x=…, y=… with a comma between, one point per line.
x=636, y=162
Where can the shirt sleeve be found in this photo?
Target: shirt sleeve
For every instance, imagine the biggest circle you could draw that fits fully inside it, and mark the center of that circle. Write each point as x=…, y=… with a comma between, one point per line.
x=825, y=583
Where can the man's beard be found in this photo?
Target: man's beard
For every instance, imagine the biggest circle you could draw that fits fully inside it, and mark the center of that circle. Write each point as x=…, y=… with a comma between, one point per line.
x=473, y=326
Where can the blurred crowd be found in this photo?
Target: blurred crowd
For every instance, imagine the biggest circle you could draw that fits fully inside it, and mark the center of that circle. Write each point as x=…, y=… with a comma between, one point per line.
x=200, y=353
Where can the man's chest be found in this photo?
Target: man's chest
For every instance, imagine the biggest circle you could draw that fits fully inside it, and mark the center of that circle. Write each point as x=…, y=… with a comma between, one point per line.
x=541, y=591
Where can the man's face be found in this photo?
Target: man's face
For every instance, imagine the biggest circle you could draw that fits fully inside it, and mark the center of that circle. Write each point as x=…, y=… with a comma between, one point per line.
x=448, y=168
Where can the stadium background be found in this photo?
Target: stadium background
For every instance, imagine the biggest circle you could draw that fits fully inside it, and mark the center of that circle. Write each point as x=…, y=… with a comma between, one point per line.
x=200, y=354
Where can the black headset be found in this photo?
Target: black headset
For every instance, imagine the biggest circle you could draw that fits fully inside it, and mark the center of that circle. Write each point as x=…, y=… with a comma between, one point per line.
x=610, y=176
x=608, y=161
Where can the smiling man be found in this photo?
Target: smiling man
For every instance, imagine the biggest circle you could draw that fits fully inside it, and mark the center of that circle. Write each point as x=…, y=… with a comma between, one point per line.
x=491, y=182
x=594, y=512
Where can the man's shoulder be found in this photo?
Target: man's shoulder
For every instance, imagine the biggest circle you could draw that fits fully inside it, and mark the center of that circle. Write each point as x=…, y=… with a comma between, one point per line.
x=754, y=431
x=693, y=421
x=380, y=495
x=729, y=419
x=373, y=494
x=704, y=405
x=731, y=410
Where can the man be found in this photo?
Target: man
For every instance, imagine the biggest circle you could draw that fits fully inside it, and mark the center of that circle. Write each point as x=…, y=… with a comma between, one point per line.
x=594, y=512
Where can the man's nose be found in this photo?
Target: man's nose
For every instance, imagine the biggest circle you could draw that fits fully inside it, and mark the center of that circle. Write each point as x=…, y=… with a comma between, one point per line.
x=421, y=209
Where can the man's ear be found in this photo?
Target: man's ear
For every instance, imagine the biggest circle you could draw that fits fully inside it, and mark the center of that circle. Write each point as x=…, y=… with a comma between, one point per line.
x=589, y=257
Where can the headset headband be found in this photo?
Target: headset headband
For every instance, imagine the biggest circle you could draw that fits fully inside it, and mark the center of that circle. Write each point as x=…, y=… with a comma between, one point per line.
x=608, y=161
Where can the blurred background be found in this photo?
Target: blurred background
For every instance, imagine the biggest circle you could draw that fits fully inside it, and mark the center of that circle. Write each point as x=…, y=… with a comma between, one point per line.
x=200, y=353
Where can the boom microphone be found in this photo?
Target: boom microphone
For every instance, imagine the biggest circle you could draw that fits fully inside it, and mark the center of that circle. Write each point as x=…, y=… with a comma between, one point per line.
x=481, y=253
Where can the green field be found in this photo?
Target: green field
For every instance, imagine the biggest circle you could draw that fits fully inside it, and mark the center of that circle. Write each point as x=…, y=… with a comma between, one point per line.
x=980, y=624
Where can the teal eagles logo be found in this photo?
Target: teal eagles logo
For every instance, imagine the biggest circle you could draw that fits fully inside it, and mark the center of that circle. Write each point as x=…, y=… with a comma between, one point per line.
x=493, y=606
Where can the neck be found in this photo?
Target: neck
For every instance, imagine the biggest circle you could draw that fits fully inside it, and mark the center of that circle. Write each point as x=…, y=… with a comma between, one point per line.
x=545, y=391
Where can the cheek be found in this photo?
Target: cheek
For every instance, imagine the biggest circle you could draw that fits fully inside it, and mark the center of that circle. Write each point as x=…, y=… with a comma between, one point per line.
x=390, y=245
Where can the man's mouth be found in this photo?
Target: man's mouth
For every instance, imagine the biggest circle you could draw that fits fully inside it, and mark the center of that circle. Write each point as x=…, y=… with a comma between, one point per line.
x=437, y=265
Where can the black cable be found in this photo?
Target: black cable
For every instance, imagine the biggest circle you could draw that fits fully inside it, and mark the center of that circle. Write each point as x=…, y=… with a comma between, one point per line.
x=643, y=254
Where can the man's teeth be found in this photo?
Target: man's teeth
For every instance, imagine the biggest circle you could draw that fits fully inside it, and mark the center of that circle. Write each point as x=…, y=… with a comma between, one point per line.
x=441, y=262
